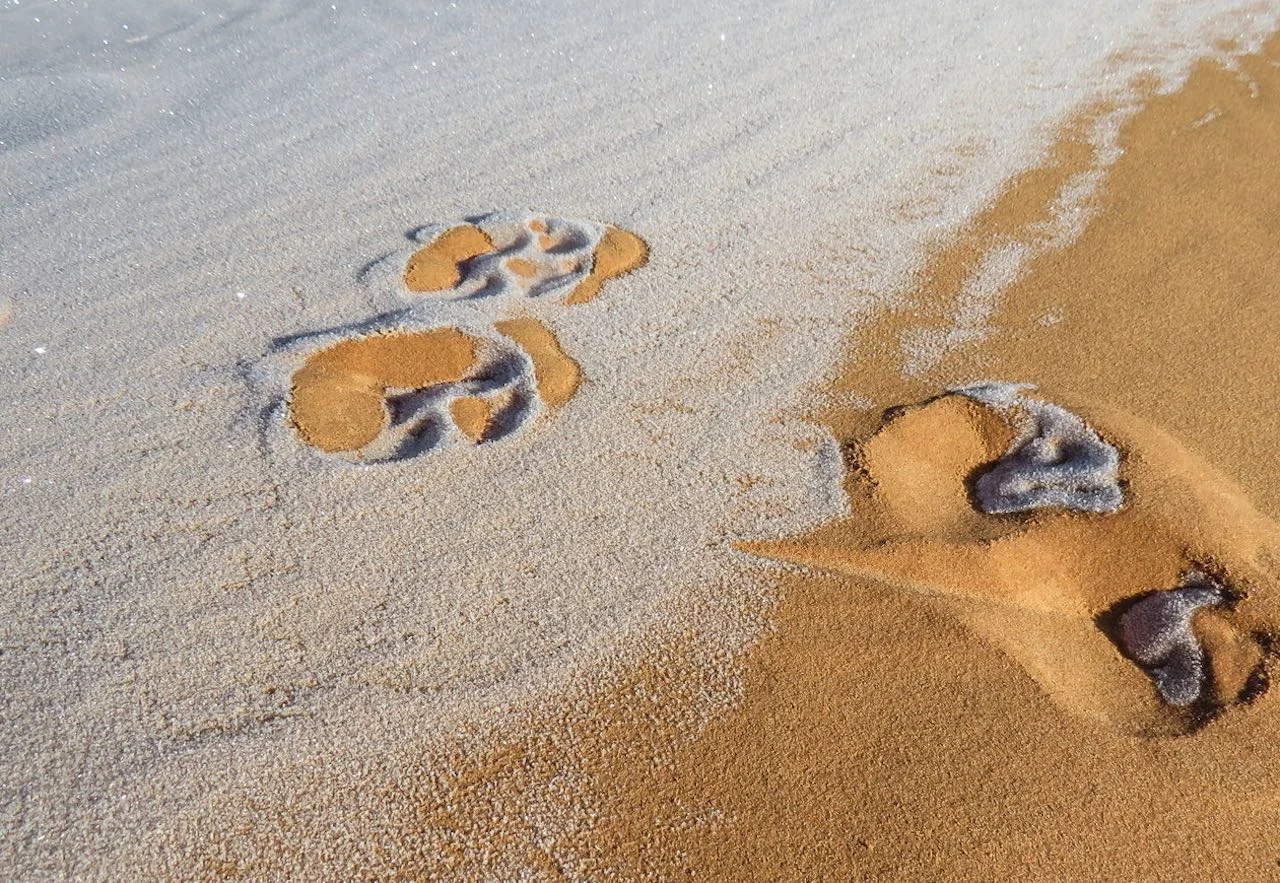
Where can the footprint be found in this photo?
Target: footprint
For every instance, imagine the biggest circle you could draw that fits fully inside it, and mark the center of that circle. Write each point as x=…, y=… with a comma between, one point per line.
x=1114, y=615
x=455, y=370
x=392, y=394
x=1157, y=633
x=519, y=254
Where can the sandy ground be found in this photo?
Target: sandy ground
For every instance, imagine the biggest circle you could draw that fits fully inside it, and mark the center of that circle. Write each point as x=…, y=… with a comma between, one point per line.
x=969, y=714
x=503, y=631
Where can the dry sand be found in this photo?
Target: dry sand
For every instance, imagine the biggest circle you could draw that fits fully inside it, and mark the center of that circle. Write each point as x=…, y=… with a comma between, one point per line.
x=953, y=705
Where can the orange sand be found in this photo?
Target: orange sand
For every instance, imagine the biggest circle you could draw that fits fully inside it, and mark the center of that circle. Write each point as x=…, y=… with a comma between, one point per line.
x=1037, y=587
x=522, y=267
x=618, y=253
x=338, y=402
x=558, y=376
x=472, y=416
x=436, y=266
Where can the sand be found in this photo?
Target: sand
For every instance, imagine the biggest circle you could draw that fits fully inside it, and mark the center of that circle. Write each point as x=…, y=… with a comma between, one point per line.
x=557, y=374
x=227, y=653
x=947, y=696
x=435, y=266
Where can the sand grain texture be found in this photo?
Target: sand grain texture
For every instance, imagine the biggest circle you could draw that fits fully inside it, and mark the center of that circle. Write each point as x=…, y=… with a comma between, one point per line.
x=557, y=374
x=229, y=654
x=437, y=265
x=338, y=397
x=982, y=724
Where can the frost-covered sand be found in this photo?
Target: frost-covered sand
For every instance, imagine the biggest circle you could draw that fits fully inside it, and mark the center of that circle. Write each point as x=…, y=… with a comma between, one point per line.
x=222, y=657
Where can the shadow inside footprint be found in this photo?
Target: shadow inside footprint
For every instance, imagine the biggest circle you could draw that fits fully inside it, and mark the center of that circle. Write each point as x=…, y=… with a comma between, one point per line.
x=1187, y=642
x=399, y=385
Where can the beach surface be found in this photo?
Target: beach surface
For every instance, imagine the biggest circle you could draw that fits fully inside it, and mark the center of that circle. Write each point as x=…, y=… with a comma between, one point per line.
x=456, y=444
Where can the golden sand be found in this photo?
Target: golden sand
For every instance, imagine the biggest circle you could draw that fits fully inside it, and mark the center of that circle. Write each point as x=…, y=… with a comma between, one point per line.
x=558, y=376
x=437, y=265
x=618, y=253
x=472, y=416
x=338, y=400
x=1036, y=587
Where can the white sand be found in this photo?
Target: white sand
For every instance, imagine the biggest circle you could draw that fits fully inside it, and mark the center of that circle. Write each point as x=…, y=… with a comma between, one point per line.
x=184, y=608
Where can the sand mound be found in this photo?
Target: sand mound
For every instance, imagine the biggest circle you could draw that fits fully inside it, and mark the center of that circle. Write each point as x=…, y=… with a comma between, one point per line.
x=1089, y=604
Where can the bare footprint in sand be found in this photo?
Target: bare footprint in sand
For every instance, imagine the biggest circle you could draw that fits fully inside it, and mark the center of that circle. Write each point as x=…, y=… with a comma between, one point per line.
x=1138, y=591
x=457, y=369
